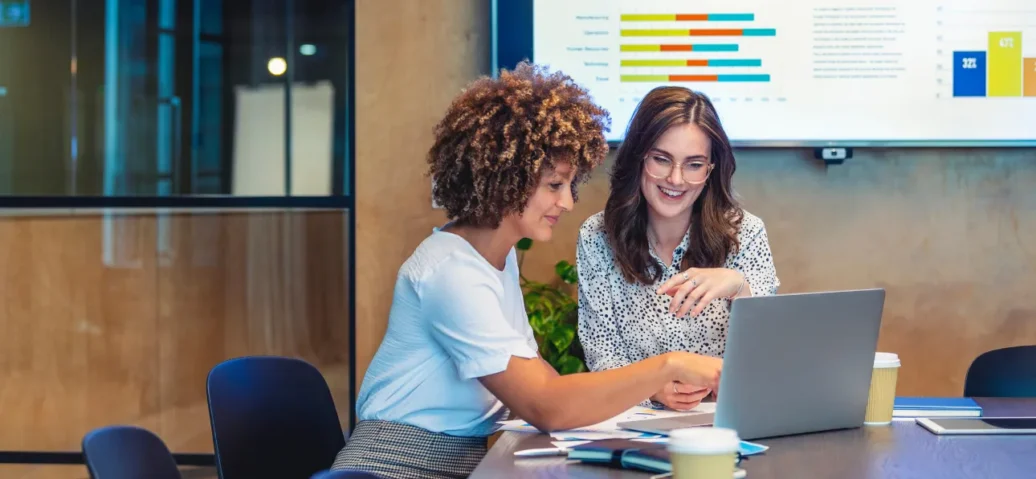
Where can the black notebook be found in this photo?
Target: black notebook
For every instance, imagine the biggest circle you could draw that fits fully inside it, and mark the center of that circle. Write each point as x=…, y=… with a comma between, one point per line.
x=628, y=454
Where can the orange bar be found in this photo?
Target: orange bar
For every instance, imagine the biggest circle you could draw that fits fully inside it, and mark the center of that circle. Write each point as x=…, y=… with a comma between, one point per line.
x=676, y=48
x=693, y=77
x=717, y=32
x=1029, y=77
x=691, y=17
x=697, y=63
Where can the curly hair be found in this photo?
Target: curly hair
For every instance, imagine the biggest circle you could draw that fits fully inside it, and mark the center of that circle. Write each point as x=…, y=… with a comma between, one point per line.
x=499, y=135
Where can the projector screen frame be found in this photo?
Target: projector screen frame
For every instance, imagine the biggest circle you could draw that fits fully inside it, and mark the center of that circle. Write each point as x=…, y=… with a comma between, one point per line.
x=512, y=41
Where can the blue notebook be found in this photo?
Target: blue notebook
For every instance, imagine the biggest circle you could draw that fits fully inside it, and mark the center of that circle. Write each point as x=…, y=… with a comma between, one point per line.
x=936, y=407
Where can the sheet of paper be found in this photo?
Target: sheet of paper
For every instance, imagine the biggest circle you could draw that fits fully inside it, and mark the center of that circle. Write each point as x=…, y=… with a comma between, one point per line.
x=609, y=429
x=564, y=445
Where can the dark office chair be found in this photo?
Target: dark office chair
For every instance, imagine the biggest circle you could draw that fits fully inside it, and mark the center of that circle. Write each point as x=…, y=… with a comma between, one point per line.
x=272, y=417
x=344, y=475
x=1004, y=373
x=127, y=452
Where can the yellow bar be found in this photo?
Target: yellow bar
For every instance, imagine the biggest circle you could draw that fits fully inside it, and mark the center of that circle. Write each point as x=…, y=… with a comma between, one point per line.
x=653, y=63
x=640, y=48
x=647, y=17
x=647, y=78
x=1005, y=64
x=655, y=33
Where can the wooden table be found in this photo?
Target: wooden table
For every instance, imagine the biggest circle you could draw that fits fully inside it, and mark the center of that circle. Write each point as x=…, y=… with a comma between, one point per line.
x=901, y=450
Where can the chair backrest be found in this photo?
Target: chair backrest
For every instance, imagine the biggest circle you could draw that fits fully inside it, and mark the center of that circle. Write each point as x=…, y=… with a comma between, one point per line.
x=272, y=417
x=344, y=475
x=1008, y=372
x=127, y=452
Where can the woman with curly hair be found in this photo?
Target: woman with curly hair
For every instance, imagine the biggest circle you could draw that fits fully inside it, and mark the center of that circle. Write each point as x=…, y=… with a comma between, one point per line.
x=459, y=352
x=660, y=265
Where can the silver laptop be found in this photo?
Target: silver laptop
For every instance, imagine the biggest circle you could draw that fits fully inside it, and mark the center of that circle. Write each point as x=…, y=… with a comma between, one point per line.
x=794, y=363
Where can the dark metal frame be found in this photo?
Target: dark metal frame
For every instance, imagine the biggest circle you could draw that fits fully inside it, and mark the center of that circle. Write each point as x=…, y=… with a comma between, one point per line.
x=345, y=201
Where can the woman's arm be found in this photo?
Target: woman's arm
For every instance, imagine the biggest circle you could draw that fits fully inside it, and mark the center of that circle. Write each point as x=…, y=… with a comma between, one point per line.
x=537, y=394
x=755, y=261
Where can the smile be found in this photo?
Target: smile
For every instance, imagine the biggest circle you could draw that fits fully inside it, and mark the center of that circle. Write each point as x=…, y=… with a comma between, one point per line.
x=674, y=194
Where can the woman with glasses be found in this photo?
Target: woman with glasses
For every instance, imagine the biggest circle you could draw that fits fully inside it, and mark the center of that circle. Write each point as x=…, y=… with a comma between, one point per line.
x=459, y=352
x=658, y=268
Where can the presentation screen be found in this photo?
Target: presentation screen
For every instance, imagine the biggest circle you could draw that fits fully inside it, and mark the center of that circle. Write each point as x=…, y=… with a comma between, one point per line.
x=802, y=73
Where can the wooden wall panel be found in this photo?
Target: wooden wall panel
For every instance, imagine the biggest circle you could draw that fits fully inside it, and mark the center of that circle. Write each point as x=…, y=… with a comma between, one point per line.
x=86, y=342
x=944, y=230
x=410, y=63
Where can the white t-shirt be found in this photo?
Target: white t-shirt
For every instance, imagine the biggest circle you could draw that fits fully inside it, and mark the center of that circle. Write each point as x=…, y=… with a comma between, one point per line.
x=454, y=318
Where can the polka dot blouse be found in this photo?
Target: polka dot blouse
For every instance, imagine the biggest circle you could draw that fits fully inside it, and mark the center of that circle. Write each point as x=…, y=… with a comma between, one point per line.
x=621, y=323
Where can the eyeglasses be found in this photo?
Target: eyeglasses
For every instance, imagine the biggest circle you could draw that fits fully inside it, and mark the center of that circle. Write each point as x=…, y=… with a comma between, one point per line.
x=691, y=172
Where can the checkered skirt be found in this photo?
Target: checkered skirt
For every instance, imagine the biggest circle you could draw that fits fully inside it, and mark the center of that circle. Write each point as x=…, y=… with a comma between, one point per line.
x=399, y=451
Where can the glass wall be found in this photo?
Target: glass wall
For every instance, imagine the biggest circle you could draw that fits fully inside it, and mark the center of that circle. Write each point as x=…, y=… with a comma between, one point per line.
x=174, y=97
x=115, y=316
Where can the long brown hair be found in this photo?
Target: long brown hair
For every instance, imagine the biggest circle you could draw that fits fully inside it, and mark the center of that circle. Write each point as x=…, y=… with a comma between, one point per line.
x=715, y=215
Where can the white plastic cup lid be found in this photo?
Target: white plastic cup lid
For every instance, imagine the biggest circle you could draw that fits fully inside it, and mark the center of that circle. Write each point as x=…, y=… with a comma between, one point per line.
x=704, y=440
x=886, y=360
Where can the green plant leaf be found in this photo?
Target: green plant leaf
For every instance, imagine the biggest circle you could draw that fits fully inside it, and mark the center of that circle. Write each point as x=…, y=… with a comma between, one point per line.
x=561, y=336
x=567, y=272
x=536, y=322
x=524, y=244
x=568, y=364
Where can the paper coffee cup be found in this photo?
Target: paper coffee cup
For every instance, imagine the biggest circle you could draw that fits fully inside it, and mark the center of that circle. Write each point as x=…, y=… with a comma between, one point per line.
x=882, y=394
x=703, y=452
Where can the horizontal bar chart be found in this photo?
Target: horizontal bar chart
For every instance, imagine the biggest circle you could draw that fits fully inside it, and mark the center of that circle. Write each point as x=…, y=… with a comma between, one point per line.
x=697, y=47
x=721, y=62
x=694, y=78
x=698, y=32
x=687, y=17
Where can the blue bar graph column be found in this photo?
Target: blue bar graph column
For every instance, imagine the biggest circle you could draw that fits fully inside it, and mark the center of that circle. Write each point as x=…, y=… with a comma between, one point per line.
x=969, y=73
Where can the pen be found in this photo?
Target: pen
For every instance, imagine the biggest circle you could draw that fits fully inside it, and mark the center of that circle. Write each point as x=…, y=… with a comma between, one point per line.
x=546, y=451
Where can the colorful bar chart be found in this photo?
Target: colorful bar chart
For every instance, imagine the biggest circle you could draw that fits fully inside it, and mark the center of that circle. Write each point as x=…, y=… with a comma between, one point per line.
x=998, y=71
x=645, y=61
x=698, y=32
x=704, y=47
x=688, y=17
x=694, y=78
x=720, y=62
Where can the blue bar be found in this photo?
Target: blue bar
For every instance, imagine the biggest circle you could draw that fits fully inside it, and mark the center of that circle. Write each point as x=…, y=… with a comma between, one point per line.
x=969, y=73
x=759, y=32
x=735, y=63
x=731, y=17
x=716, y=47
x=743, y=78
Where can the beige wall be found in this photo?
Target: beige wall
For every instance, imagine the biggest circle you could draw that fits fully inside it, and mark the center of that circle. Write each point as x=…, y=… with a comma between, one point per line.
x=946, y=232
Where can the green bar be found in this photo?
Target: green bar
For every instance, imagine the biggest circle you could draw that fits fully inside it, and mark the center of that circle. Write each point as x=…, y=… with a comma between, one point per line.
x=645, y=78
x=653, y=63
x=655, y=33
x=640, y=48
x=647, y=17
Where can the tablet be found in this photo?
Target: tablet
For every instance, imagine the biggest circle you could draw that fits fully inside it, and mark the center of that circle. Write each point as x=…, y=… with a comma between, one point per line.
x=985, y=425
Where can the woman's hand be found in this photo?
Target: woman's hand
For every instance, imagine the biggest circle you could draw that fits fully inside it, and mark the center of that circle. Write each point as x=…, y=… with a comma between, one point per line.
x=697, y=287
x=679, y=396
x=695, y=370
